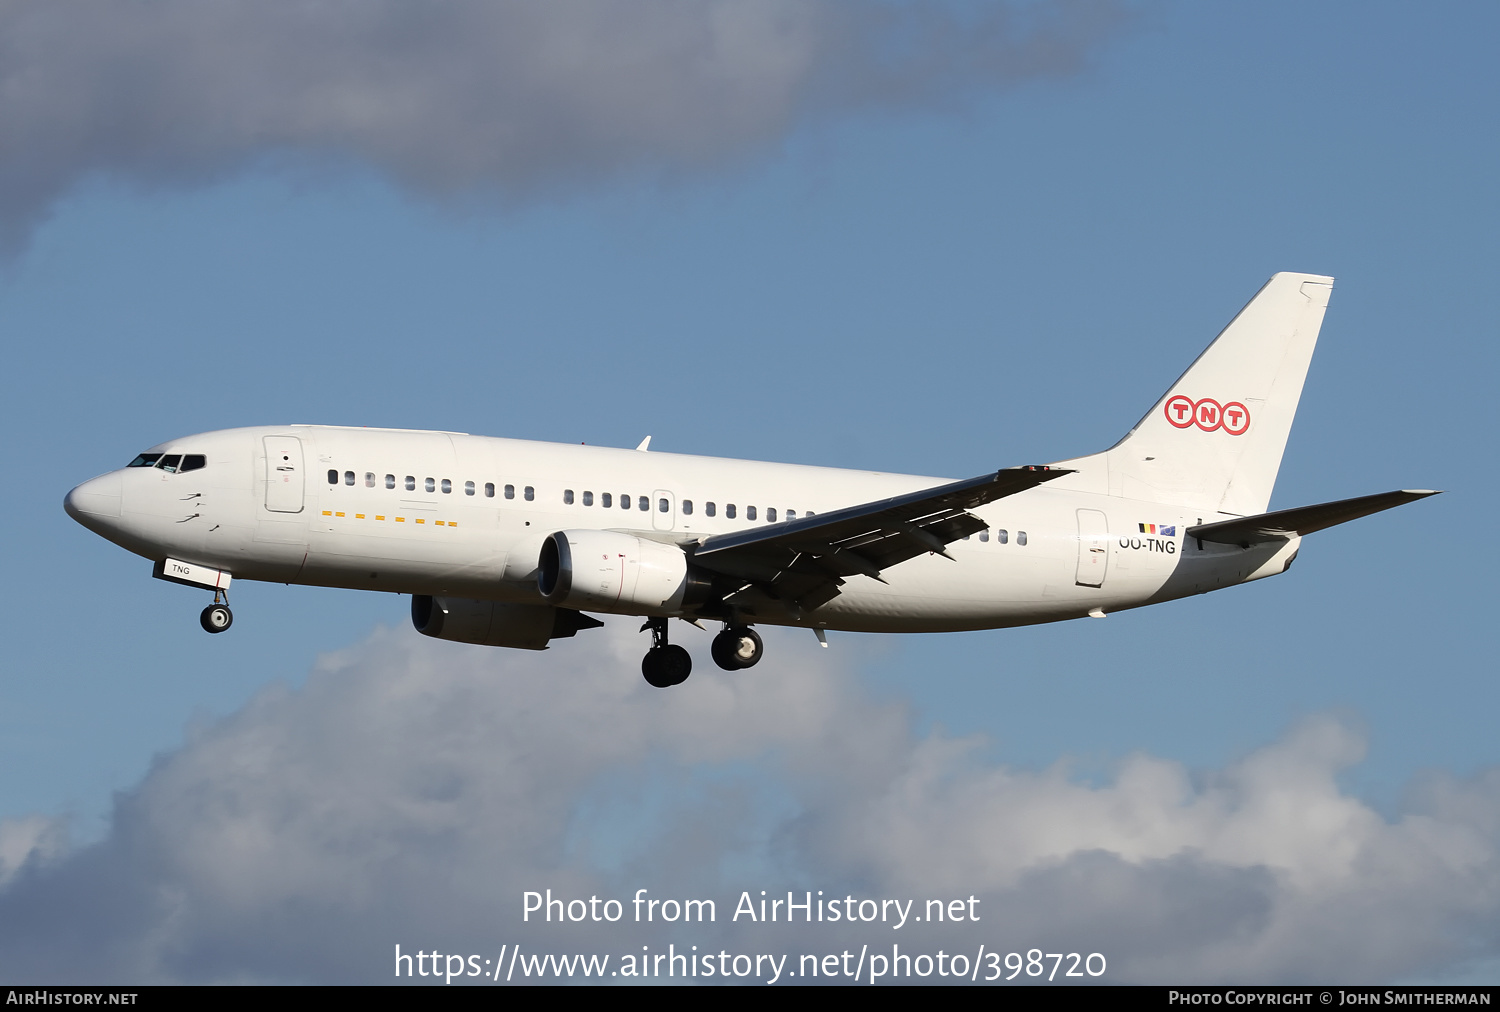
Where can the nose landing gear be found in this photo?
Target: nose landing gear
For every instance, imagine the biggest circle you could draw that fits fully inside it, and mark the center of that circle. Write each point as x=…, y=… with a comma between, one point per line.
x=737, y=647
x=217, y=617
x=664, y=665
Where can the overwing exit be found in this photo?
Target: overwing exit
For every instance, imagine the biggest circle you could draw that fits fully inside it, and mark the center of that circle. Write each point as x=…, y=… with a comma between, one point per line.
x=513, y=543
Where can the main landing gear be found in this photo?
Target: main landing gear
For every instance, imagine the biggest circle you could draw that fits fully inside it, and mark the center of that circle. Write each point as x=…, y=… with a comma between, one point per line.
x=664, y=664
x=217, y=617
x=737, y=647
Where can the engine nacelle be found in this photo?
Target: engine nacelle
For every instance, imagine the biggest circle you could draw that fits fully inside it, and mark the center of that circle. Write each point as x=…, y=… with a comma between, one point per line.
x=494, y=623
x=608, y=571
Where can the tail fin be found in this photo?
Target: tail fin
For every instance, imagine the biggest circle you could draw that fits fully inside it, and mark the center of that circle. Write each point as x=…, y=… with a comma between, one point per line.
x=1214, y=440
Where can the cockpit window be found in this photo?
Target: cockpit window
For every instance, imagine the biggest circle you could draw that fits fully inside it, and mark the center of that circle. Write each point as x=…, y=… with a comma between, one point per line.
x=194, y=461
x=145, y=460
x=169, y=462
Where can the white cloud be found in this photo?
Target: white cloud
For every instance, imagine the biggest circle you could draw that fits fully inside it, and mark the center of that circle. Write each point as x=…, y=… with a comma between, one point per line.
x=510, y=97
x=29, y=842
x=413, y=790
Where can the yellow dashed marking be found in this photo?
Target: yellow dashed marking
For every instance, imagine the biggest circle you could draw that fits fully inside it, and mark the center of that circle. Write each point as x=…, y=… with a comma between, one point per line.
x=399, y=520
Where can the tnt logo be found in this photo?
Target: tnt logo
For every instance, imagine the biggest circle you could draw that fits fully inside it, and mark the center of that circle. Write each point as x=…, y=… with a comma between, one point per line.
x=1208, y=414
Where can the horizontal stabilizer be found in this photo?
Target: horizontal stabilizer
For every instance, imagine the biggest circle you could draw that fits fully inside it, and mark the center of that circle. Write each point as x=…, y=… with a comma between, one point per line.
x=1284, y=524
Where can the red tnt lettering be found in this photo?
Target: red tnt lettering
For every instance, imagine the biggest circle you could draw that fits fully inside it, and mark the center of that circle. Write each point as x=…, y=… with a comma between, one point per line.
x=1236, y=418
x=1179, y=411
x=1207, y=414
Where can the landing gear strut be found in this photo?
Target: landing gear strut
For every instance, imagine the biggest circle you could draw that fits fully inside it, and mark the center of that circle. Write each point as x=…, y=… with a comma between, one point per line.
x=737, y=647
x=217, y=617
x=664, y=664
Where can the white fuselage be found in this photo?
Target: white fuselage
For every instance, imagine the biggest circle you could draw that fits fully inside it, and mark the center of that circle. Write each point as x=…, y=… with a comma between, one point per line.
x=441, y=513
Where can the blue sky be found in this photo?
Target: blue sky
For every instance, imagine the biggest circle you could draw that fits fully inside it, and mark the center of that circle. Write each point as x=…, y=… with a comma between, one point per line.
x=899, y=268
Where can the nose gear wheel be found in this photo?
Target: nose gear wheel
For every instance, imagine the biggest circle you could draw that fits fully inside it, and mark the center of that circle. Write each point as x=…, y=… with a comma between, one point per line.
x=216, y=618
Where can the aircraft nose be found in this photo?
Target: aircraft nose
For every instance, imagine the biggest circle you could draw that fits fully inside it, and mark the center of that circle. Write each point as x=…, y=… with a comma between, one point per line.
x=97, y=497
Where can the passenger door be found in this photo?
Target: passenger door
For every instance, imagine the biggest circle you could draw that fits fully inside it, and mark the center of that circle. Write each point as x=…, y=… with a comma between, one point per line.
x=1093, y=548
x=284, y=474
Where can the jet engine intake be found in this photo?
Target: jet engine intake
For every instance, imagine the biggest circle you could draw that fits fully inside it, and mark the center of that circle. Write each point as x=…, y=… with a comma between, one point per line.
x=614, y=572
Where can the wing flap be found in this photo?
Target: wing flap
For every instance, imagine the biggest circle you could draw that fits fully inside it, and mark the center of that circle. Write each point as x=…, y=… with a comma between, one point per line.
x=808, y=559
x=922, y=508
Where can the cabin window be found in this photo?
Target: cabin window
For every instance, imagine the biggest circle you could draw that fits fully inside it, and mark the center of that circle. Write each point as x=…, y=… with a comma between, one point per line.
x=333, y=476
x=967, y=536
x=606, y=500
x=348, y=477
x=390, y=481
x=447, y=487
x=528, y=493
x=150, y=459
x=429, y=484
x=1021, y=538
x=749, y=512
x=1002, y=536
x=194, y=462
x=489, y=490
x=687, y=507
x=369, y=479
x=984, y=535
x=710, y=509
x=663, y=505
x=729, y=510
x=468, y=488
x=643, y=503
x=624, y=501
x=791, y=514
x=588, y=498
x=411, y=483
x=510, y=491
x=770, y=514
x=567, y=497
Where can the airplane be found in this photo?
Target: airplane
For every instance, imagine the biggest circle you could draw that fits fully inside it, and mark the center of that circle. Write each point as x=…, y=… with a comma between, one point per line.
x=513, y=543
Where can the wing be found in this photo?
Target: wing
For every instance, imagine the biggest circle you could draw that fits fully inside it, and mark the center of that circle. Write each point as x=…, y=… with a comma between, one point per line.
x=1283, y=524
x=804, y=562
